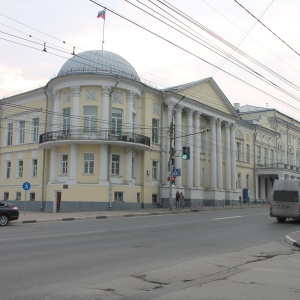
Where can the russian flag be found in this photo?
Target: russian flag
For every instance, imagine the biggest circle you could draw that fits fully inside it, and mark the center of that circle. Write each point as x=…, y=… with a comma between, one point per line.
x=101, y=14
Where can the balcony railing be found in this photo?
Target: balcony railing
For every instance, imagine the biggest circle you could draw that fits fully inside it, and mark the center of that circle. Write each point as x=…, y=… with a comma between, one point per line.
x=282, y=166
x=100, y=135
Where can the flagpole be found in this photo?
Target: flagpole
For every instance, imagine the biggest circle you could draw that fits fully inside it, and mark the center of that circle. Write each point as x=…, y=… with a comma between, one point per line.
x=103, y=34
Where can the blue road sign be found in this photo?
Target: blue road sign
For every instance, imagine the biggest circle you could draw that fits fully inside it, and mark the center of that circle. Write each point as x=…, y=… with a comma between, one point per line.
x=26, y=186
x=176, y=172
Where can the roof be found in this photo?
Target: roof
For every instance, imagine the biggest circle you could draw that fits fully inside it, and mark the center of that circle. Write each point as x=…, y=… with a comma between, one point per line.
x=99, y=62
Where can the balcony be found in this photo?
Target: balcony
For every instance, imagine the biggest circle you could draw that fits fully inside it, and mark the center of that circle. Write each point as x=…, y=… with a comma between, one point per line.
x=61, y=138
x=281, y=166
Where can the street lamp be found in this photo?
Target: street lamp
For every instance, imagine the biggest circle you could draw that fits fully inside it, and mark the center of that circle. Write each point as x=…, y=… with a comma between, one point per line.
x=171, y=153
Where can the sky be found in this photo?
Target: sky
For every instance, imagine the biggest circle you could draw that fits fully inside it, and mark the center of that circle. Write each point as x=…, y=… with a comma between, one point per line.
x=161, y=54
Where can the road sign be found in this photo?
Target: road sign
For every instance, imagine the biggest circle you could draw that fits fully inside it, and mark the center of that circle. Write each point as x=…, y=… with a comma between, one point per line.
x=176, y=172
x=26, y=186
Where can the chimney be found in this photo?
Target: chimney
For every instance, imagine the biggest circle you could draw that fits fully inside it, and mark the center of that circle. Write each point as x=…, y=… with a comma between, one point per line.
x=236, y=106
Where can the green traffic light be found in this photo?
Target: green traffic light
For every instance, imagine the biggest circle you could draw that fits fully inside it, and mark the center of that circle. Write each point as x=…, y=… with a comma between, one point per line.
x=184, y=156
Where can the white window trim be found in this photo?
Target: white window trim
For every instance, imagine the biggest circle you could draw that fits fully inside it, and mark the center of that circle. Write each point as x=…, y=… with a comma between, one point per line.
x=93, y=173
x=62, y=164
x=120, y=164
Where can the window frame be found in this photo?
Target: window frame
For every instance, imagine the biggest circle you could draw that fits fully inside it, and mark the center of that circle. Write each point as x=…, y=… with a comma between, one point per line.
x=90, y=120
x=66, y=120
x=115, y=165
x=8, y=169
x=64, y=164
x=21, y=131
x=20, y=168
x=35, y=129
x=34, y=167
x=88, y=164
x=116, y=121
x=155, y=170
x=10, y=133
x=155, y=131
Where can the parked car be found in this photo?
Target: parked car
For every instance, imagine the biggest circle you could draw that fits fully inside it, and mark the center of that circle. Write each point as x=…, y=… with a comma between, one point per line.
x=8, y=212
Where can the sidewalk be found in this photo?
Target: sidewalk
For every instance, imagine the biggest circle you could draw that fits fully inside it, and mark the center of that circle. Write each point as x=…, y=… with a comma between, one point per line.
x=35, y=217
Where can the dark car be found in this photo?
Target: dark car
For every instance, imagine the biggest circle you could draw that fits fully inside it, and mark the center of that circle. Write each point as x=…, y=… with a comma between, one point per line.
x=8, y=212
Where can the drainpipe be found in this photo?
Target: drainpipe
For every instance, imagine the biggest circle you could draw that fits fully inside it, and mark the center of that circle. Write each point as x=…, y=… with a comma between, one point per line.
x=109, y=148
x=161, y=156
x=255, y=185
x=43, y=202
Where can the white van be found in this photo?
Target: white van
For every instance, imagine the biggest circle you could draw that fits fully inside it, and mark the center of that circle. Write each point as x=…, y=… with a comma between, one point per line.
x=285, y=200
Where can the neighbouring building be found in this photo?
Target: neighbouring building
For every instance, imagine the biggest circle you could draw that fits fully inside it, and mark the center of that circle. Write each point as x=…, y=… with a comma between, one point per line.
x=96, y=138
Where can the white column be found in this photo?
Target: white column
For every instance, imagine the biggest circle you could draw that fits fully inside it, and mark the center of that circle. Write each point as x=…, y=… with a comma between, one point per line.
x=219, y=156
x=257, y=187
x=73, y=164
x=233, y=157
x=55, y=116
x=53, y=164
x=227, y=157
x=190, y=143
x=105, y=116
x=213, y=154
x=75, y=115
x=178, y=143
x=197, y=151
x=129, y=124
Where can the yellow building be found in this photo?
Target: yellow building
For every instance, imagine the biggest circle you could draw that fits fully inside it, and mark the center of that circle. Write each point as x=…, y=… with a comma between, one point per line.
x=96, y=138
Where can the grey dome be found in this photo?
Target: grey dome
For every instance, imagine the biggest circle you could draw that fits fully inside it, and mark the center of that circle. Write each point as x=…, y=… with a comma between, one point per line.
x=99, y=62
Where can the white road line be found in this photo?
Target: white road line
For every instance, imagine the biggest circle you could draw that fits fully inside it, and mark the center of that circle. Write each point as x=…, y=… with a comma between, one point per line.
x=226, y=218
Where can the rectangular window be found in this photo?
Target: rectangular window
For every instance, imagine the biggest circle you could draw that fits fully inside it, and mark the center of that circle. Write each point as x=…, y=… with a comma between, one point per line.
x=18, y=195
x=10, y=130
x=115, y=164
x=248, y=153
x=20, y=169
x=90, y=119
x=154, y=198
x=271, y=156
x=32, y=197
x=154, y=169
x=21, y=132
x=239, y=181
x=239, y=151
x=155, y=131
x=258, y=155
x=64, y=164
x=34, y=167
x=8, y=169
x=35, y=129
x=6, y=195
x=66, y=120
x=247, y=180
x=89, y=163
x=116, y=121
x=265, y=156
x=119, y=196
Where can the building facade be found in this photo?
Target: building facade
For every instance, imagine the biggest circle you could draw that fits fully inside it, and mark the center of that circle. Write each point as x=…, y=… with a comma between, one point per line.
x=96, y=137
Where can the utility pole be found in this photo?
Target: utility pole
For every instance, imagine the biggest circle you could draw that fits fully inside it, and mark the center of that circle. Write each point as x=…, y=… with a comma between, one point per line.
x=171, y=152
x=170, y=162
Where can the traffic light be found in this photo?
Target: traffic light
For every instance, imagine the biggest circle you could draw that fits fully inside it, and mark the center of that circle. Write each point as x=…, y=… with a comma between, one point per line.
x=185, y=152
x=173, y=179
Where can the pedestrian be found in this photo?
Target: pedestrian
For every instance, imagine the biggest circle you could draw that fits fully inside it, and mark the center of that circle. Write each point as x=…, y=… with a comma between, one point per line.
x=177, y=197
x=181, y=199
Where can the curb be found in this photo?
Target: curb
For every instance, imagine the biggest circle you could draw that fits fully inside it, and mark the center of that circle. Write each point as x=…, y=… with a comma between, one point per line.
x=292, y=241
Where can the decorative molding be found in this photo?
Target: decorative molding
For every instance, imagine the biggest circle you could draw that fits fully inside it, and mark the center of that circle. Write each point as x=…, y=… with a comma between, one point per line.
x=66, y=97
x=75, y=91
x=227, y=124
x=117, y=98
x=56, y=96
x=105, y=90
x=91, y=95
x=239, y=135
x=219, y=123
x=156, y=109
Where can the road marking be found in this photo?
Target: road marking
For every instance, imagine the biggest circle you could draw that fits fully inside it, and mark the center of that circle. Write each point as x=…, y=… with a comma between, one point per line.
x=226, y=218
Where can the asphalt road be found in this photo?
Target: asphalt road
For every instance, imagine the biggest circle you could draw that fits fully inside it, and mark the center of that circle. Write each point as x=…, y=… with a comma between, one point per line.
x=41, y=259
